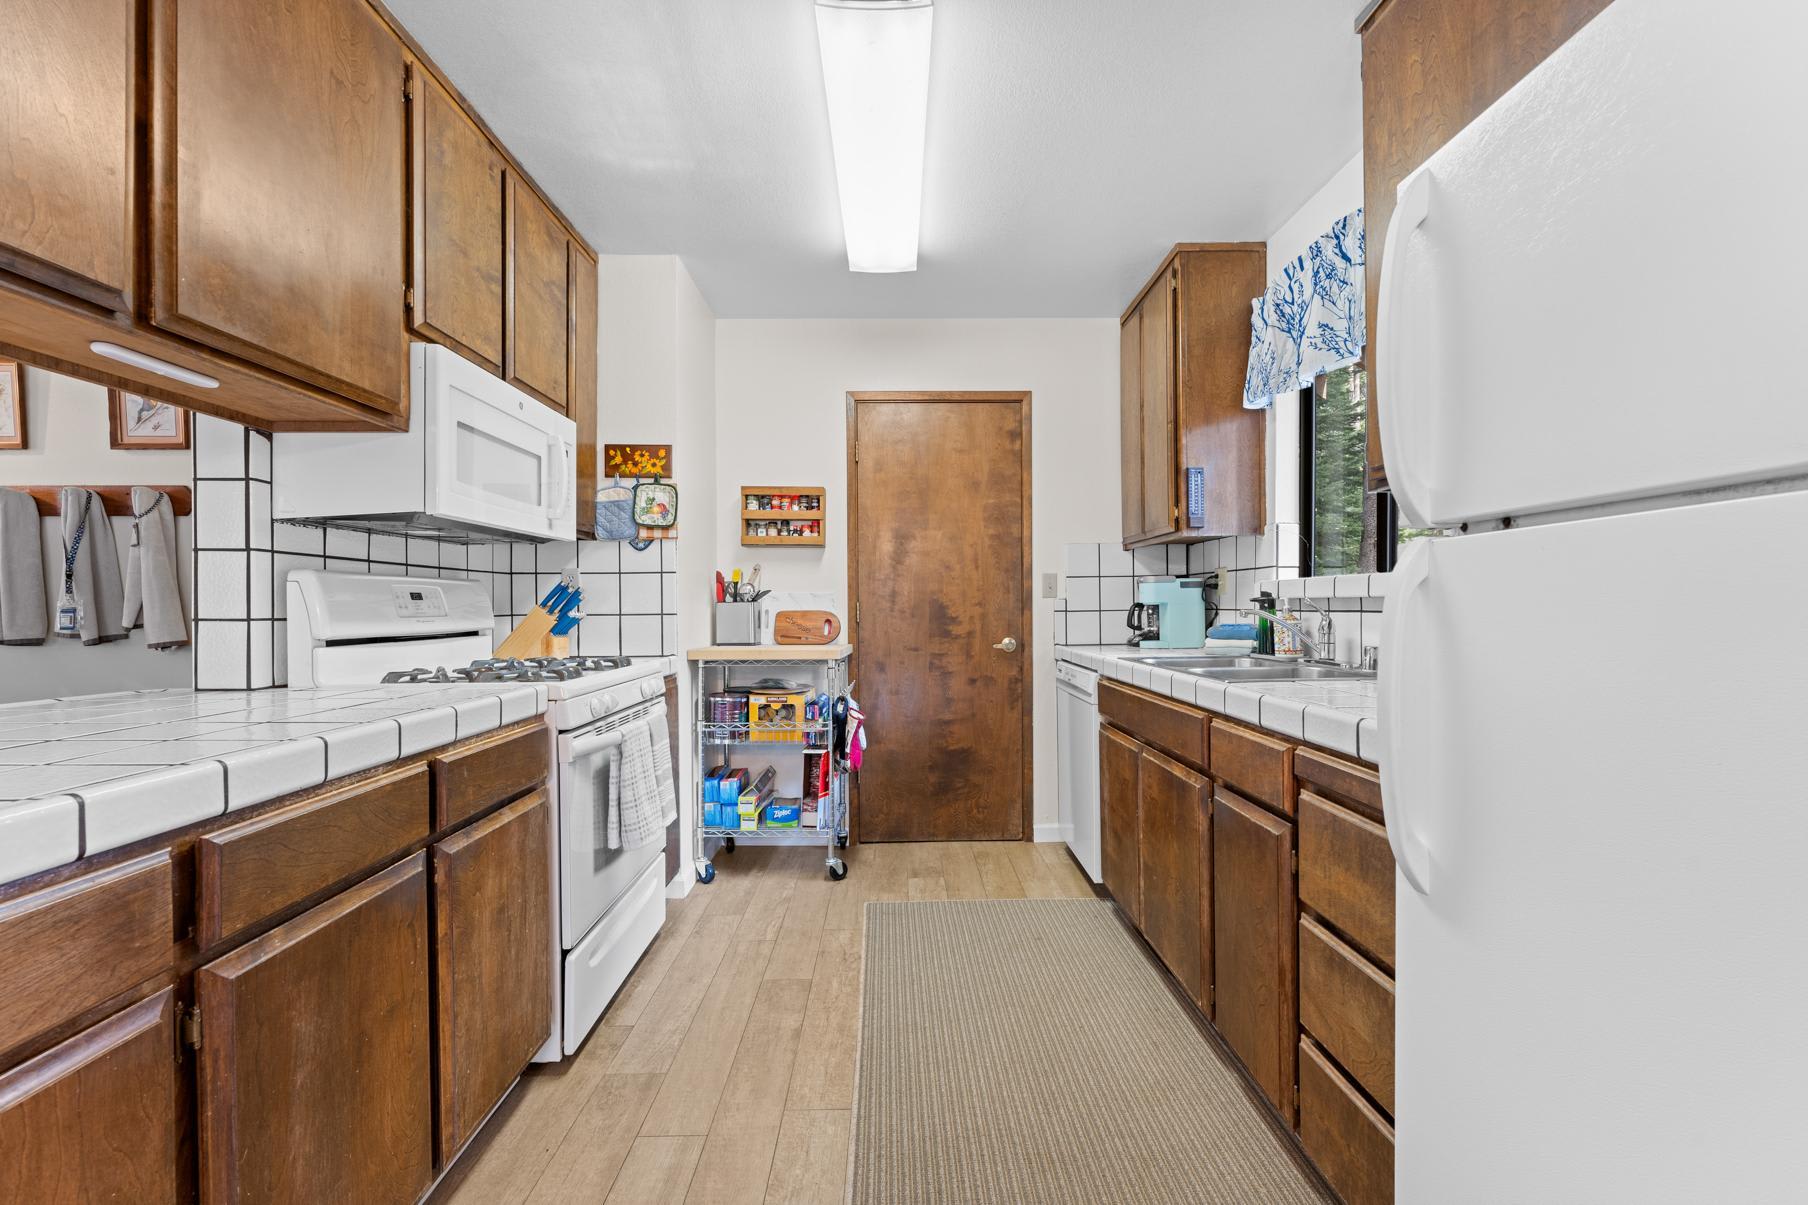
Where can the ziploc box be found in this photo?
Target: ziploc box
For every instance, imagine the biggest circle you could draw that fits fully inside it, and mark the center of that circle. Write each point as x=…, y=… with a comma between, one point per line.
x=782, y=813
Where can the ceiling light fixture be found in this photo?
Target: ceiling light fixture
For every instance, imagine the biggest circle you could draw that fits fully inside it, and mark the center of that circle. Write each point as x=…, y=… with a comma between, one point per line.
x=875, y=69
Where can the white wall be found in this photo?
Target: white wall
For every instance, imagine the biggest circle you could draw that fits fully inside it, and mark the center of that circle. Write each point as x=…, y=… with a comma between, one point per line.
x=66, y=433
x=781, y=414
x=656, y=356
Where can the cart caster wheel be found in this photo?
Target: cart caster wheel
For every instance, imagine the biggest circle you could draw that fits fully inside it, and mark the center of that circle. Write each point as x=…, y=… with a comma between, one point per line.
x=728, y=844
x=706, y=873
x=841, y=841
x=837, y=869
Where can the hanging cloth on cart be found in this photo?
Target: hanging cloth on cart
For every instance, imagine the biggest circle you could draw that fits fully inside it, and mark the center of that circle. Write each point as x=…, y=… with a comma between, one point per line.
x=856, y=733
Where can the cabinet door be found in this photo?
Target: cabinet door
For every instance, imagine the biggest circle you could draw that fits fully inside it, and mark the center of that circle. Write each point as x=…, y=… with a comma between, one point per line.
x=456, y=187
x=1176, y=867
x=492, y=896
x=1429, y=69
x=94, y=1119
x=537, y=298
x=1130, y=419
x=1253, y=923
x=316, y=1078
x=1120, y=823
x=1157, y=363
x=277, y=189
x=581, y=406
x=68, y=75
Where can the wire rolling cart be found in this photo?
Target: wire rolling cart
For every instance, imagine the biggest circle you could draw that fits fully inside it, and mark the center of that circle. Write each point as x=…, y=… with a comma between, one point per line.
x=717, y=669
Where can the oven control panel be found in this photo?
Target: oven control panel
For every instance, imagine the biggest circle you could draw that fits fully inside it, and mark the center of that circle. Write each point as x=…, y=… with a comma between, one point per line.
x=419, y=602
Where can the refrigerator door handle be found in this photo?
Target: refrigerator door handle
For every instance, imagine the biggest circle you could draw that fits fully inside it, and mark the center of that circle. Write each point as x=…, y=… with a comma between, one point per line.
x=1411, y=854
x=1400, y=403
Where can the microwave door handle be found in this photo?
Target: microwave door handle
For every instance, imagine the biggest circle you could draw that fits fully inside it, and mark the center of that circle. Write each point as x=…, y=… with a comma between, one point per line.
x=558, y=479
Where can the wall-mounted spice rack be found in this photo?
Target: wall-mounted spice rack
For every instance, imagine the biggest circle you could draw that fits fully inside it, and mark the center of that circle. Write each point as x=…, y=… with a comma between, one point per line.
x=783, y=514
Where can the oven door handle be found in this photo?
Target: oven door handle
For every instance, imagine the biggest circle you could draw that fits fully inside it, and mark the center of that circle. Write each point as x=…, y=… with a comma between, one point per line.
x=585, y=746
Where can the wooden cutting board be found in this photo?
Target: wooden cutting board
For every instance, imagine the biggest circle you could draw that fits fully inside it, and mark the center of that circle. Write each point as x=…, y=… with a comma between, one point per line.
x=805, y=627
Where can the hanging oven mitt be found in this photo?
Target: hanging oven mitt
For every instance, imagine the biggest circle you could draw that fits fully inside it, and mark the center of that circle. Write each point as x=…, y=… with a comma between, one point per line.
x=615, y=513
x=655, y=504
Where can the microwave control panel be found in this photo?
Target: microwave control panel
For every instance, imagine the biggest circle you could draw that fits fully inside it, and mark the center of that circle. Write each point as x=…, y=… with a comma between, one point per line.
x=420, y=602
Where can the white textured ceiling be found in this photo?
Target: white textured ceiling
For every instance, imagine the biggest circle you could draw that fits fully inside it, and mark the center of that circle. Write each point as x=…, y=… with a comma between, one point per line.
x=1069, y=143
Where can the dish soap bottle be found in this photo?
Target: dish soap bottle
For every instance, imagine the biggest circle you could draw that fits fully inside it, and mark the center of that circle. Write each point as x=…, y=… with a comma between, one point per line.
x=1264, y=629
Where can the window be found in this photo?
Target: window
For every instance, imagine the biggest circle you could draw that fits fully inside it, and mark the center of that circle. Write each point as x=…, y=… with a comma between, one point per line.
x=1343, y=526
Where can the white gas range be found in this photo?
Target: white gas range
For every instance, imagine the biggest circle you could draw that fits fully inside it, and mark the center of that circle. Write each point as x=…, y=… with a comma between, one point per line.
x=346, y=629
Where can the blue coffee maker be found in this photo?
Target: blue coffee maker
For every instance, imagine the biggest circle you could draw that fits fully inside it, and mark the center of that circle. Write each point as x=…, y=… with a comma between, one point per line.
x=1168, y=614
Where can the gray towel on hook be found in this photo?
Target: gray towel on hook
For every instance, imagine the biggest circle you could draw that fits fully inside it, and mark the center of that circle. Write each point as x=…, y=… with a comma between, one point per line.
x=23, y=619
x=97, y=585
x=153, y=589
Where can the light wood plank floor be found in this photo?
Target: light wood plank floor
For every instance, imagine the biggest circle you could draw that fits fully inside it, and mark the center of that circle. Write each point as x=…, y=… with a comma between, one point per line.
x=724, y=1071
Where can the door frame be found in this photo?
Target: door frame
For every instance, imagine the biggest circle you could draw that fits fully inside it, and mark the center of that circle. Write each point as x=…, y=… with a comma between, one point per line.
x=1027, y=620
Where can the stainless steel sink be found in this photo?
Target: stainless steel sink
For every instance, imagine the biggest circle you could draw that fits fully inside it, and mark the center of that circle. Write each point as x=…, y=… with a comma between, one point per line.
x=1286, y=673
x=1254, y=669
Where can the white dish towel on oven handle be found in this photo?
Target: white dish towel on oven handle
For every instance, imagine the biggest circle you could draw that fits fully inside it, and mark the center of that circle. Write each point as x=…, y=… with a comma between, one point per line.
x=643, y=799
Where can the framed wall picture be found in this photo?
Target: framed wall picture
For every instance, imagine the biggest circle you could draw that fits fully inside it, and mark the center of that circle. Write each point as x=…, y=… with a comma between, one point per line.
x=12, y=406
x=136, y=421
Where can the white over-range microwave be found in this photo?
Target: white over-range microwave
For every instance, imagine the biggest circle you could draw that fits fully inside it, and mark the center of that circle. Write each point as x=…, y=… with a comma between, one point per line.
x=480, y=459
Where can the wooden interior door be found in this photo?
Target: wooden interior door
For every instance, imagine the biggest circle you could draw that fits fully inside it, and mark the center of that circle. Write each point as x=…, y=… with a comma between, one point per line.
x=94, y=1119
x=316, y=1076
x=939, y=569
x=279, y=154
x=492, y=908
x=67, y=148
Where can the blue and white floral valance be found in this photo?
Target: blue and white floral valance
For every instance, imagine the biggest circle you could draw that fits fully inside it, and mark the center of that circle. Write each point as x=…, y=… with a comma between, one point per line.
x=1311, y=319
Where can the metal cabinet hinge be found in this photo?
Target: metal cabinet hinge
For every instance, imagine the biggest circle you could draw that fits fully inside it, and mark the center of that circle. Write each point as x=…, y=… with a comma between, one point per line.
x=191, y=1027
x=1293, y=857
x=408, y=296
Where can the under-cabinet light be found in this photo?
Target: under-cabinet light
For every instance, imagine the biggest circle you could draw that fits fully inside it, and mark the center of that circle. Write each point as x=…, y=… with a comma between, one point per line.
x=162, y=368
x=875, y=70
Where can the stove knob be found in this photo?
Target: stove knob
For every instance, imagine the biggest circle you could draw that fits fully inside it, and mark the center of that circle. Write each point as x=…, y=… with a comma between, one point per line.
x=651, y=687
x=596, y=708
x=604, y=703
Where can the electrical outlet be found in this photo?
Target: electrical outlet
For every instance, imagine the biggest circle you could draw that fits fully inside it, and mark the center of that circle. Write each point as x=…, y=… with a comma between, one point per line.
x=1051, y=585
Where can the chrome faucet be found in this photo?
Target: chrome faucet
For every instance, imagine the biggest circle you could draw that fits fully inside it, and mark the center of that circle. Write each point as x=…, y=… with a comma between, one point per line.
x=1327, y=629
x=1313, y=650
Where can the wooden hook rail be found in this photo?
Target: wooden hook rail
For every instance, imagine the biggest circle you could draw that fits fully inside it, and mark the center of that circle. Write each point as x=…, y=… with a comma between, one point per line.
x=116, y=498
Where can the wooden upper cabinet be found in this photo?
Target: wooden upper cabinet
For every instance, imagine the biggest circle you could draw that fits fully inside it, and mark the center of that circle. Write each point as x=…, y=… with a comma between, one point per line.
x=537, y=298
x=1184, y=349
x=68, y=72
x=95, y=1119
x=1156, y=324
x=278, y=150
x=1253, y=942
x=1429, y=68
x=1130, y=420
x=1176, y=869
x=493, y=954
x=581, y=270
x=1120, y=824
x=456, y=182
x=316, y=1075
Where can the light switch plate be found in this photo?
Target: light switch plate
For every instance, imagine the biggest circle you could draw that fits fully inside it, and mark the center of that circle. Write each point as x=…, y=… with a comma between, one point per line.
x=1051, y=585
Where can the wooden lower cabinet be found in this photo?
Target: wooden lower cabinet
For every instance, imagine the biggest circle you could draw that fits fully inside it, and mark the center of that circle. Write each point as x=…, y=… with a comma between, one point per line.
x=94, y=1118
x=1175, y=806
x=493, y=954
x=1348, y=1139
x=315, y=1077
x=1120, y=824
x=1253, y=921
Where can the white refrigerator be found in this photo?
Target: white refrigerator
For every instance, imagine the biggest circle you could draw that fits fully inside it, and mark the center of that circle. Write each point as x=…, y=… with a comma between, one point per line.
x=1594, y=708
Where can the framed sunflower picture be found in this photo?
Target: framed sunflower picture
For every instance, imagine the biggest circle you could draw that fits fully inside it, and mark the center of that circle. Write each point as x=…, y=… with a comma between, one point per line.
x=138, y=422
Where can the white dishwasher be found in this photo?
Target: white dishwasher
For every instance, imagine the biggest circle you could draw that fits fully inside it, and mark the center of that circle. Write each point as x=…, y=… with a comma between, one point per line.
x=1077, y=750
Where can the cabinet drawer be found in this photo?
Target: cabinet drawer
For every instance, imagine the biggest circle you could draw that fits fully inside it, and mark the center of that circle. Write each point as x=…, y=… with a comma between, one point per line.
x=1172, y=727
x=1352, y=1144
x=249, y=871
x=1346, y=874
x=1353, y=785
x=1348, y=1006
x=470, y=779
x=81, y=942
x=1258, y=765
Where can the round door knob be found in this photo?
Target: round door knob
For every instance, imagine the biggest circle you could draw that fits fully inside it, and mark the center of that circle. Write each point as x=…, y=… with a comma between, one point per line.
x=1008, y=644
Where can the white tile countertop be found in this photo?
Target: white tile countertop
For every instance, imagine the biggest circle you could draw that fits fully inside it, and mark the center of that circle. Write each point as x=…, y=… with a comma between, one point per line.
x=1336, y=714
x=94, y=772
